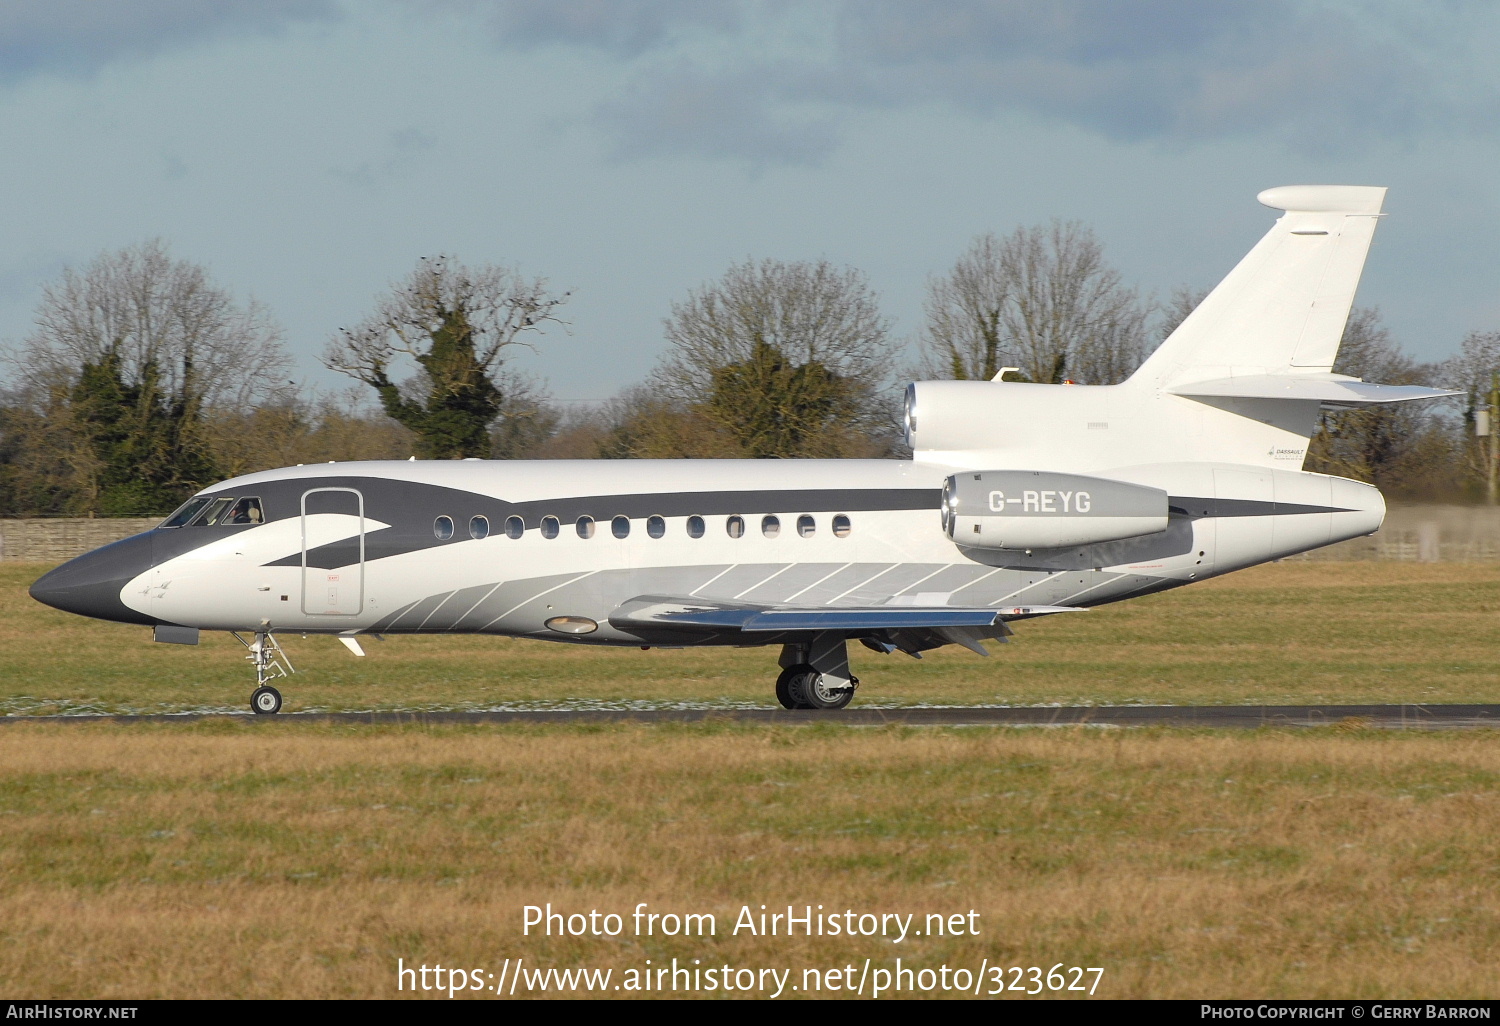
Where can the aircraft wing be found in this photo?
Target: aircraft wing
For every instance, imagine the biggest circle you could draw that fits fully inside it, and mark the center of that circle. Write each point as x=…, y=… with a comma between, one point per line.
x=692, y=614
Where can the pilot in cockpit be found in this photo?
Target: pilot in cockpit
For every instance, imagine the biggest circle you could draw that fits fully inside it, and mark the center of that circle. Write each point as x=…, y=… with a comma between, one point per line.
x=246, y=511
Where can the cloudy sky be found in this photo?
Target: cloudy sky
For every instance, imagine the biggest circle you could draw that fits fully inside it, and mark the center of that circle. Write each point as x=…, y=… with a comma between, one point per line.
x=309, y=151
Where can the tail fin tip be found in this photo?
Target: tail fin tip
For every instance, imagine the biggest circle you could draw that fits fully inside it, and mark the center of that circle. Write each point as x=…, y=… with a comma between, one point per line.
x=1325, y=199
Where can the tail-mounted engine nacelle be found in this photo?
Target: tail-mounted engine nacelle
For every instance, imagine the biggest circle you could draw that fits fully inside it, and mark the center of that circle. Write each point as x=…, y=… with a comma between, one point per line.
x=1032, y=509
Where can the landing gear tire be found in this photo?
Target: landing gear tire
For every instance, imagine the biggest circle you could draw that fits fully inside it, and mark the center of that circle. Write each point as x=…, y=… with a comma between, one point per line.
x=265, y=701
x=784, y=686
x=802, y=687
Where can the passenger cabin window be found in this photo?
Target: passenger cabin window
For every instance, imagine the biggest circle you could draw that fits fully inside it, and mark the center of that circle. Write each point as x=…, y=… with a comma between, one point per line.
x=551, y=527
x=841, y=526
x=479, y=527
x=585, y=527
x=770, y=526
x=695, y=527
x=656, y=527
x=515, y=527
x=806, y=526
x=735, y=527
x=442, y=528
x=620, y=527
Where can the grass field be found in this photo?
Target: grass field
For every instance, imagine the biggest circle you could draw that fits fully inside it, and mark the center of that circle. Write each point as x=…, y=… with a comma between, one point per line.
x=1284, y=633
x=280, y=859
x=299, y=860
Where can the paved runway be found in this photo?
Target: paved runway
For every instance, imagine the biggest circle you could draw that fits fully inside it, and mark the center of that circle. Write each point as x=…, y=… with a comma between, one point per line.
x=1421, y=717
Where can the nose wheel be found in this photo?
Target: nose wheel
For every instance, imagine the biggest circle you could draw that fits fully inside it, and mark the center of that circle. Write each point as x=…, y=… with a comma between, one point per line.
x=265, y=701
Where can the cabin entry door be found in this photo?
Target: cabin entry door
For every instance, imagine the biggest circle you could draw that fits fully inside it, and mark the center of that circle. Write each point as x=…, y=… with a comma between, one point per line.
x=333, y=552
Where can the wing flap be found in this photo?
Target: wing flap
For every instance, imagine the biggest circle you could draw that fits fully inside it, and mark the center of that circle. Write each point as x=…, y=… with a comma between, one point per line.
x=658, y=611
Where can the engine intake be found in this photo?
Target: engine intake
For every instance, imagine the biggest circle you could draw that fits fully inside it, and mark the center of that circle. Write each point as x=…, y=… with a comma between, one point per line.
x=1033, y=509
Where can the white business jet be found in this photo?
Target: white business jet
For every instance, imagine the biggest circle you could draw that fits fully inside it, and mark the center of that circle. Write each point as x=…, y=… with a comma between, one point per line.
x=1022, y=500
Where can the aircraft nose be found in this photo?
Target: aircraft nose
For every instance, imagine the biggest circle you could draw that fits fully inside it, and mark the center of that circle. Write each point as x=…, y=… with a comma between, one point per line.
x=90, y=585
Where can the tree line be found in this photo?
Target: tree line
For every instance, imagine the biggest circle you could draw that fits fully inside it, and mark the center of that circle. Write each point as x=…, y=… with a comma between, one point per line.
x=143, y=380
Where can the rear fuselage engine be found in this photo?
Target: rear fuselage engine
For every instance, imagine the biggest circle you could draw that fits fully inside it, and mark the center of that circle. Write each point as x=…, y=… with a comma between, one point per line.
x=1034, y=509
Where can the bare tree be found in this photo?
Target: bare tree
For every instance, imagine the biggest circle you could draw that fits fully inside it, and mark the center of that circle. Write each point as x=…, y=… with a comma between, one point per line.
x=527, y=419
x=161, y=318
x=313, y=428
x=787, y=358
x=1042, y=297
x=1403, y=447
x=966, y=333
x=1185, y=300
x=127, y=359
x=455, y=324
x=580, y=433
x=1471, y=370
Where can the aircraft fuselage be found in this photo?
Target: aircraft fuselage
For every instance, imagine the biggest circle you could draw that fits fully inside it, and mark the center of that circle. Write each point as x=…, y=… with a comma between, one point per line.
x=505, y=547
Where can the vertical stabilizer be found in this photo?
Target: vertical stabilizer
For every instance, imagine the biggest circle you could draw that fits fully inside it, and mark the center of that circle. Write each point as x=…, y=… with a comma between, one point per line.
x=1282, y=310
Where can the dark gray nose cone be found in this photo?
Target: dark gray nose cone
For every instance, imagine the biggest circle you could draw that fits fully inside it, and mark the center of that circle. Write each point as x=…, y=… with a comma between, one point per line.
x=90, y=585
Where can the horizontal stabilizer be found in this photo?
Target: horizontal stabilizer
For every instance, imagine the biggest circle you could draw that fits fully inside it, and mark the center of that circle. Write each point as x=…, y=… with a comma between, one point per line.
x=1334, y=391
x=699, y=614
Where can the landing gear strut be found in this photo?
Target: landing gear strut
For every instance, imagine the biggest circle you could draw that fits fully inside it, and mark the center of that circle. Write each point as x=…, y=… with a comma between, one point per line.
x=816, y=675
x=270, y=663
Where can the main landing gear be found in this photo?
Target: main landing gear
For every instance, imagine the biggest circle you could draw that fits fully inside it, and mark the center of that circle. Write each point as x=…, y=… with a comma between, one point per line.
x=815, y=675
x=803, y=687
x=270, y=663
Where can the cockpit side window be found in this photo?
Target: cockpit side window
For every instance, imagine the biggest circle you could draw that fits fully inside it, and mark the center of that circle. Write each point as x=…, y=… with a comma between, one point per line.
x=187, y=511
x=245, y=511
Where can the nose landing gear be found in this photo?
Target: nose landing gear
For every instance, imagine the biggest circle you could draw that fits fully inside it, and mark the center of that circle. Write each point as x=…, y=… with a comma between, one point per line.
x=270, y=663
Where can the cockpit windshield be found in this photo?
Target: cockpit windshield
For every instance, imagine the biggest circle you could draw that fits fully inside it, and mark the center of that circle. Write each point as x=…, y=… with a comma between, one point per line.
x=207, y=511
x=187, y=511
x=214, y=514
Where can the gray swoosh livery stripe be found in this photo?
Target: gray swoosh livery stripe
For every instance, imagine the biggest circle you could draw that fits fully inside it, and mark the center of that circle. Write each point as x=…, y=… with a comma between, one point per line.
x=521, y=607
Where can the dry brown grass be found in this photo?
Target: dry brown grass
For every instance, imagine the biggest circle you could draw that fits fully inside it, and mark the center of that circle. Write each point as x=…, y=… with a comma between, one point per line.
x=292, y=860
